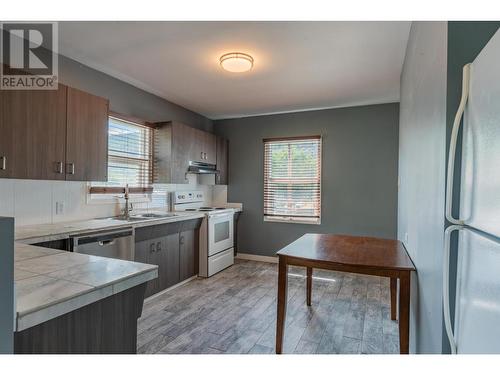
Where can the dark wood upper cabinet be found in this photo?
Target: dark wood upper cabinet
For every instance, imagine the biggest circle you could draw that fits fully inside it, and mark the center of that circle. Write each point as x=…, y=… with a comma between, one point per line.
x=202, y=146
x=175, y=146
x=33, y=133
x=53, y=135
x=87, y=137
x=6, y=138
x=222, y=161
x=209, y=148
x=172, y=151
x=196, y=139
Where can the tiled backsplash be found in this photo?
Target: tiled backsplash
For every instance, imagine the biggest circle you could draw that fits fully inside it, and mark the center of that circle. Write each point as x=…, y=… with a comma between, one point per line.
x=219, y=195
x=41, y=202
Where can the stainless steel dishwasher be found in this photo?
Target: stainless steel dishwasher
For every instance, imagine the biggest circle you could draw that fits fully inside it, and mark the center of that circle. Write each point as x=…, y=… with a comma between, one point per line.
x=118, y=244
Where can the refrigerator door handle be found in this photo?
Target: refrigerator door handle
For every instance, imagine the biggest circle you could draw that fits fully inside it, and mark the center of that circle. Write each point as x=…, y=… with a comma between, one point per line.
x=453, y=146
x=446, y=286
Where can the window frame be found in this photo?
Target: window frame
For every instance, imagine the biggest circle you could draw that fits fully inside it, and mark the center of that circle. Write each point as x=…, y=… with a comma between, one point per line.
x=105, y=194
x=294, y=219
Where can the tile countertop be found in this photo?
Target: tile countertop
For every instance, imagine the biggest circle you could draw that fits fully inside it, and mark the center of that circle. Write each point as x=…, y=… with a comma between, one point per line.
x=238, y=207
x=50, y=283
x=33, y=234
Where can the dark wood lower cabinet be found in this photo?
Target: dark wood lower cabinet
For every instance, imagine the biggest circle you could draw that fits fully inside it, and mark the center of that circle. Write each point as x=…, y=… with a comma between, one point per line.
x=170, y=261
x=188, y=254
x=145, y=252
x=173, y=248
x=108, y=326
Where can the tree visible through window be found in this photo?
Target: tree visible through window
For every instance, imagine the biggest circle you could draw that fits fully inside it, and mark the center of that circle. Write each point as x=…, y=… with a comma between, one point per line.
x=292, y=179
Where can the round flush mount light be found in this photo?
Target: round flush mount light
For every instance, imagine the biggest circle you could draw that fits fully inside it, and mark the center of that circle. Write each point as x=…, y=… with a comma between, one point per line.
x=236, y=62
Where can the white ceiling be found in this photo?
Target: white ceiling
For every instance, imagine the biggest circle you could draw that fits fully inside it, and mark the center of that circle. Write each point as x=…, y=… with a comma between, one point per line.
x=298, y=65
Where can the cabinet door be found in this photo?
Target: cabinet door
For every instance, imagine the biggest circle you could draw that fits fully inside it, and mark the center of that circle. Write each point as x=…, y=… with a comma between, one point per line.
x=182, y=150
x=87, y=137
x=209, y=148
x=172, y=259
x=222, y=161
x=145, y=252
x=204, y=147
x=6, y=139
x=159, y=248
x=188, y=256
x=197, y=141
x=33, y=133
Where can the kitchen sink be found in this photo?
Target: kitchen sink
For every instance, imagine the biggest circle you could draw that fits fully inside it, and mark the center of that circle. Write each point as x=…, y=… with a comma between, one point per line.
x=153, y=216
x=140, y=217
x=133, y=218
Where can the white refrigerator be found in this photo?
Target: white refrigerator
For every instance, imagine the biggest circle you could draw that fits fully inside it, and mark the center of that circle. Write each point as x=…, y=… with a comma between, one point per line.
x=476, y=327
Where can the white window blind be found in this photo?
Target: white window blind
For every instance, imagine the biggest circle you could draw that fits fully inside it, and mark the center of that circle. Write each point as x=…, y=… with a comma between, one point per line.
x=129, y=157
x=292, y=179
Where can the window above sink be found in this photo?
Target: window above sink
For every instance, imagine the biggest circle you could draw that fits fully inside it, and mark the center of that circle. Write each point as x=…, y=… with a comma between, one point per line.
x=130, y=144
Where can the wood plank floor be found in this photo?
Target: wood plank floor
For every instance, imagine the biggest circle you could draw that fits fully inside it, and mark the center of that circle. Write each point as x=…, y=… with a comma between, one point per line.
x=235, y=312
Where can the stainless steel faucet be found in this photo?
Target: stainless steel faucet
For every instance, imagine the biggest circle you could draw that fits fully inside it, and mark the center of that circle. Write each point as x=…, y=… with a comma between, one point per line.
x=128, y=206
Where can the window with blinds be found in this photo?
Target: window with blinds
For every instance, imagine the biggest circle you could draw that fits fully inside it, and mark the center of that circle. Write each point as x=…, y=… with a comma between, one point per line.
x=292, y=179
x=129, y=158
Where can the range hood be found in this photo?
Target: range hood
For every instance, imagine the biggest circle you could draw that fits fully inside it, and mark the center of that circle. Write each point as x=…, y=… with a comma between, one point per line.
x=202, y=168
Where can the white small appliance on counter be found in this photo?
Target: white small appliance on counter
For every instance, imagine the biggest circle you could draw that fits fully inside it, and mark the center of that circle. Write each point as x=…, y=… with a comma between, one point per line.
x=216, y=231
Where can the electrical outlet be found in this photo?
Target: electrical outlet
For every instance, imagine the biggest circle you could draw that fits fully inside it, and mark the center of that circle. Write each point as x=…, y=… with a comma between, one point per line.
x=59, y=208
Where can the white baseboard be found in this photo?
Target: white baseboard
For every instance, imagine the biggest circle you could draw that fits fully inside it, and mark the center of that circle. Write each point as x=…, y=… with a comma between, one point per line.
x=258, y=258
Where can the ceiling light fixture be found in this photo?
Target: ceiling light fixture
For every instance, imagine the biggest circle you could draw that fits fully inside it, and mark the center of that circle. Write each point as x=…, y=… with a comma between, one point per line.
x=236, y=62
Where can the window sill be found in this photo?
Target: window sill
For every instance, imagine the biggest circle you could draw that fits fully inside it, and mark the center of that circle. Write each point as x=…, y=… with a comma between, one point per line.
x=291, y=220
x=114, y=199
x=103, y=199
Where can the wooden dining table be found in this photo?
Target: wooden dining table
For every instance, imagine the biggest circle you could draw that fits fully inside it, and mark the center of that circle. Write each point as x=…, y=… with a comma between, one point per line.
x=363, y=255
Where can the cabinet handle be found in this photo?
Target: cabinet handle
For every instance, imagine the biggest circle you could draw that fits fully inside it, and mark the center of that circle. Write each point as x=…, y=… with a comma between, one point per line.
x=206, y=157
x=59, y=167
x=181, y=240
x=201, y=155
x=3, y=163
x=158, y=246
x=152, y=248
x=71, y=168
x=106, y=242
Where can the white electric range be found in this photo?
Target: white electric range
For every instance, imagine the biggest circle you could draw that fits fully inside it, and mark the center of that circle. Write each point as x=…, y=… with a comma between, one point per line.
x=216, y=231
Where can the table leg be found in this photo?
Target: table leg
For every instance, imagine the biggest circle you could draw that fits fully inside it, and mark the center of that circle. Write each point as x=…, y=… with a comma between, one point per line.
x=282, y=301
x=394, y=289
x=309, y=285
x=404, y=312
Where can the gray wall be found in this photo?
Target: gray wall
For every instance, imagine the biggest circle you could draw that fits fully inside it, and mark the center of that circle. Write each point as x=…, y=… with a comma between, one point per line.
x=6, y=285
x=359, y=175
x=465, y=40
x=127, y=99
x=422, y=145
